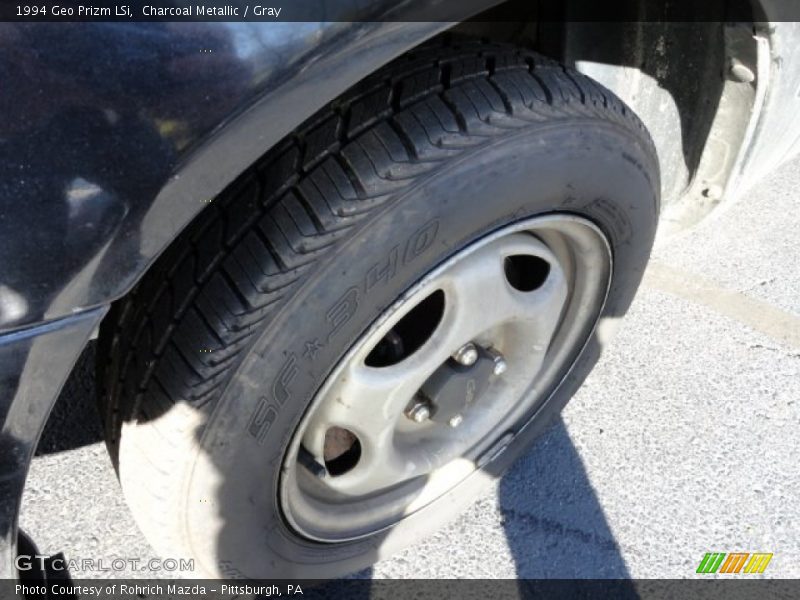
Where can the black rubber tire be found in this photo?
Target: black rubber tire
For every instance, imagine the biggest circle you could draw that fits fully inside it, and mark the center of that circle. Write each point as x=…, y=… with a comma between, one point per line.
x=210, y=363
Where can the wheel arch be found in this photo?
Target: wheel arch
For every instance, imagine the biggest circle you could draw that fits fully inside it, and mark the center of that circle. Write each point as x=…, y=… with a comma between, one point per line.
x=118, y=154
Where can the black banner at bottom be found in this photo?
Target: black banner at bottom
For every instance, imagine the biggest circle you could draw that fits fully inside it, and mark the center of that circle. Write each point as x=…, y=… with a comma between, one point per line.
x=420, y=589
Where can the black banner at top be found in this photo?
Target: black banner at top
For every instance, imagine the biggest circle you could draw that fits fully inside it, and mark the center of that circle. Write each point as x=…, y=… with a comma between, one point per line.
x=397, y=10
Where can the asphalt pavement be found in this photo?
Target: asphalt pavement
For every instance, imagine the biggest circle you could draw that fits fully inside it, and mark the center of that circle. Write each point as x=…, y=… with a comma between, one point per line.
x=683, y=441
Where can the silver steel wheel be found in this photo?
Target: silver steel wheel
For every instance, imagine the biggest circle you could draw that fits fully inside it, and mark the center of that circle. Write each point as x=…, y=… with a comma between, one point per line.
x=445, y=379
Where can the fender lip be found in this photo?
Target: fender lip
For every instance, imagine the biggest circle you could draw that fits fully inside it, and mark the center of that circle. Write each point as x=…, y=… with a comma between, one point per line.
x=121, y=148
x=34, y=363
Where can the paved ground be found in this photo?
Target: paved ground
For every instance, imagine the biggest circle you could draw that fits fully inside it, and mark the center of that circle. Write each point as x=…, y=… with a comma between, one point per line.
x=684, y=440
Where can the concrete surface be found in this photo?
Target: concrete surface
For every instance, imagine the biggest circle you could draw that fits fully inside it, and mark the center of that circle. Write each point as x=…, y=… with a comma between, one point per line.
x=683, y=441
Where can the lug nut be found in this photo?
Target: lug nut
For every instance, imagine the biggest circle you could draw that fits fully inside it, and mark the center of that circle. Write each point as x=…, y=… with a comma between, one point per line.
x=455, y=421
x=466, y=355
x=419, y=412
x=500, y=364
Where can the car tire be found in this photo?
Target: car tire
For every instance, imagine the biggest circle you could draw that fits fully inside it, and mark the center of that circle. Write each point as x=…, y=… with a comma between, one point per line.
x=211, y=364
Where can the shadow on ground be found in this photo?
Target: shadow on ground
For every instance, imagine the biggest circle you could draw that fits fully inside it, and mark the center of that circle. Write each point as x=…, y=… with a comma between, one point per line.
x=553, y=521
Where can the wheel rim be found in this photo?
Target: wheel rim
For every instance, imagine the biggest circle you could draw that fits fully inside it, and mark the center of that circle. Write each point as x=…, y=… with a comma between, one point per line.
x=444, y=380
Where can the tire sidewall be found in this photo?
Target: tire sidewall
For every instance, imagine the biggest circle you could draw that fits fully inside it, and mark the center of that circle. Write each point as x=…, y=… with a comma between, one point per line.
x=594, y=169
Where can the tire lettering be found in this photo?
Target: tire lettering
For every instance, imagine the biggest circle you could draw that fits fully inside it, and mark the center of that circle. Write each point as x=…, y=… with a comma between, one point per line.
x=382, y=271
x=341, y=312
x=421, y=241
x=337, y=316
x=280, y=389
x=262, y=419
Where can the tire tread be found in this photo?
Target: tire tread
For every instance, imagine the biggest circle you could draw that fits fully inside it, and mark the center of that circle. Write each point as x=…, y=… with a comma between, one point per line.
x=181, y=333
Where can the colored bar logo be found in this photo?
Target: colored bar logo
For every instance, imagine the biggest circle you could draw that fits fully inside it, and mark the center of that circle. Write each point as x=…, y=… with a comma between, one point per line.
x=736, y=562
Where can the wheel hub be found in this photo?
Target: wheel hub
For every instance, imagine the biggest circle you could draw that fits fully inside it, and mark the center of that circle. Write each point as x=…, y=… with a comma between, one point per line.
x=456, y=366
x=457, y=385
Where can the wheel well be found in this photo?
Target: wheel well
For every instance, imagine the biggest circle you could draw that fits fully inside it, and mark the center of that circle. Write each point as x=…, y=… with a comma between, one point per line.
x=671, y=64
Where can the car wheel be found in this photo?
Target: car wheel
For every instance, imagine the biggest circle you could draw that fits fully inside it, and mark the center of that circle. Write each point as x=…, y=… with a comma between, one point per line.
x=377, y=318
